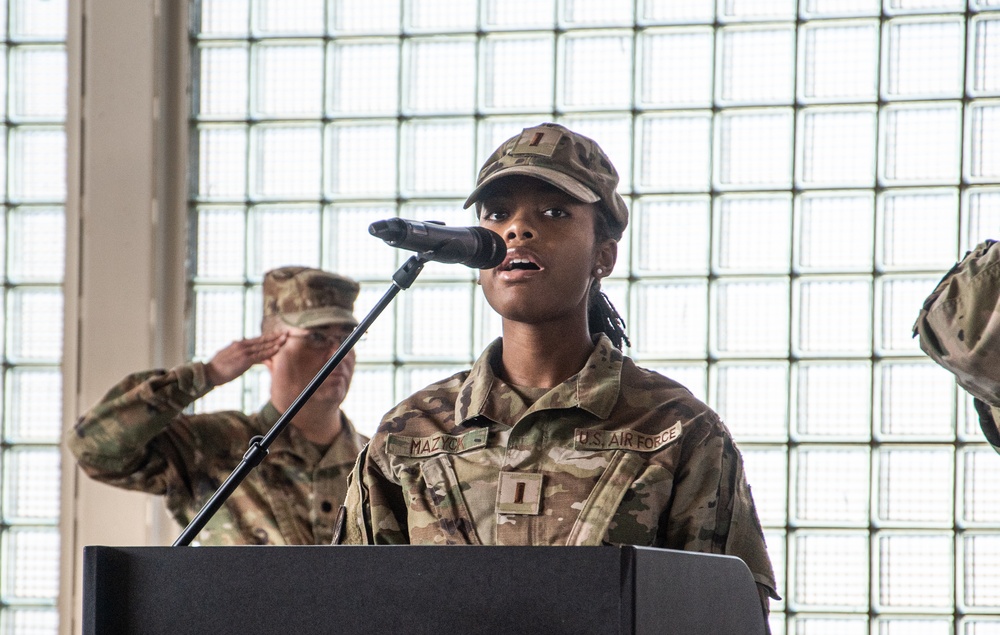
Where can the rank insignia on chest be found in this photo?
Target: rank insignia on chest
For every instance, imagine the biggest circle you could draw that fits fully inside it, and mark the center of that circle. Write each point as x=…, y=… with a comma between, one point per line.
x=519, y=493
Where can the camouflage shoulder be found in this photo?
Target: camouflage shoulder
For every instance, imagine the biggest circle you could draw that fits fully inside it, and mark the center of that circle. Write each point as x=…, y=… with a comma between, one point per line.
x=657, y=385
x=989, y=416
x=957, y=325
x=227, y=431
x=416, y=413
x=662, y=396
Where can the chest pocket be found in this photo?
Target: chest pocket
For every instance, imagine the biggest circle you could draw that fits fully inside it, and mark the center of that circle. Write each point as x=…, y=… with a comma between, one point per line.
x=290, y=515
x=599, y=509
x=446, y=502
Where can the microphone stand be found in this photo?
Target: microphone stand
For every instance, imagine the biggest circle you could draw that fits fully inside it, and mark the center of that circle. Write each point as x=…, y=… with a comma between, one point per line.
x=259, y=445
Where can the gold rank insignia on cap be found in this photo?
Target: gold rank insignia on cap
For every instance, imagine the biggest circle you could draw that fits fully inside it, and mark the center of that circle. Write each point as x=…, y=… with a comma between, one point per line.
x=538, y=141
x=519, y=493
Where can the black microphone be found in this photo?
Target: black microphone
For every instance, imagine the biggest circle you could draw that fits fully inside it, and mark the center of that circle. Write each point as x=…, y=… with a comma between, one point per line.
x=475, y=247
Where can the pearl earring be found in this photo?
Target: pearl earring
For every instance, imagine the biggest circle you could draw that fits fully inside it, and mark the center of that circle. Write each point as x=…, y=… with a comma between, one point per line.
x=600, y=271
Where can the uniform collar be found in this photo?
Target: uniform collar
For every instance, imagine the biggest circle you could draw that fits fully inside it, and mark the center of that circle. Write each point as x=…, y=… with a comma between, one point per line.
x=347, y=444
x=594, y=388
x=268, y=417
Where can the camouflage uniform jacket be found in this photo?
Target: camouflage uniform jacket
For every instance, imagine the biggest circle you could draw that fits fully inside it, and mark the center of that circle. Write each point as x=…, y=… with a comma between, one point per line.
x=959, y=328
x=614, y=455
x=138, y=438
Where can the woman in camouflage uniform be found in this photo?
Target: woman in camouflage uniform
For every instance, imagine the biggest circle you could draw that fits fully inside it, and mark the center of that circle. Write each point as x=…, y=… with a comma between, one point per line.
x=554, y=437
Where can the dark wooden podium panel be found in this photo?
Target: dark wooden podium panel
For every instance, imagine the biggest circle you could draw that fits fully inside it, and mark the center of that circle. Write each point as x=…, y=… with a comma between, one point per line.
x=415, y=589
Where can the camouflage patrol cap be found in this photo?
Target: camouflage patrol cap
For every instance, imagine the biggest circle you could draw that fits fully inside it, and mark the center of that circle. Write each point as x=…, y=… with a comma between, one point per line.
x=563, y=158
x=307, y=298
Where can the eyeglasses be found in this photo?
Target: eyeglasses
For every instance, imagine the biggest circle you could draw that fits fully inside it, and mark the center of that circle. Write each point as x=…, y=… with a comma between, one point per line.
x=320, y=340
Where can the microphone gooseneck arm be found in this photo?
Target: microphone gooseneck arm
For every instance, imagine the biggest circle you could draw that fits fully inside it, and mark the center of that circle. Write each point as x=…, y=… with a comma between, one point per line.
x=259, y=445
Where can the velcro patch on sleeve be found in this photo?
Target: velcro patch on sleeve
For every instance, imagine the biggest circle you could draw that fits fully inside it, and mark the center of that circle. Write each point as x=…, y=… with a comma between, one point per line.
x=587, y=439
x=399, y=445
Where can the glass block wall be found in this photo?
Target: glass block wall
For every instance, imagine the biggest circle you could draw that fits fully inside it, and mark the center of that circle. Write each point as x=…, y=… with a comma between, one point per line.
x=800, y=175
x=32, y=238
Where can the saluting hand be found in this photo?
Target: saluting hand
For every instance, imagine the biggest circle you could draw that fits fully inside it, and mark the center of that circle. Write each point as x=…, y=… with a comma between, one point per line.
x=237, y=358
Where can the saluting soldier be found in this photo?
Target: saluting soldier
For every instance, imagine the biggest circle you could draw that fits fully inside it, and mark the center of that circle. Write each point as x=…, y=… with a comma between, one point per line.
x=139, y=436
x=554, y=437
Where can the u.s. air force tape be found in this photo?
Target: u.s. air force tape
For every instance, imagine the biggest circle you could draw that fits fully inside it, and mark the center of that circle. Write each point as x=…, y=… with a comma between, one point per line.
x=587, y=439
x=399, y=445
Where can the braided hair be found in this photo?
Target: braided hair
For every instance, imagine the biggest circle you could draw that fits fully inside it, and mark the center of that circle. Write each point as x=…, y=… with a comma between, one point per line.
x=602, y=317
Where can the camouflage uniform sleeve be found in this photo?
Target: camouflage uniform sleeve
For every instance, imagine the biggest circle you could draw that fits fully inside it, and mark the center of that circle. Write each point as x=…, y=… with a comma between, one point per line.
x=713, y=510
x=376, y=511
x=959, y=323
x=132, y=437
x=357, y=526
x=988, y=418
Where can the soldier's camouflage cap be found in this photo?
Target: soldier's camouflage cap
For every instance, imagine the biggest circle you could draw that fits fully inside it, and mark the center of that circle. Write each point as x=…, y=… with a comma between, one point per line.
x=308, y=298
x=563, y=158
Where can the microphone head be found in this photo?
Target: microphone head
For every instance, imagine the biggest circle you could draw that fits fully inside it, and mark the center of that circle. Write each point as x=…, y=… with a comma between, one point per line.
x=475, y=247
x=391, y=230
x=492, y=249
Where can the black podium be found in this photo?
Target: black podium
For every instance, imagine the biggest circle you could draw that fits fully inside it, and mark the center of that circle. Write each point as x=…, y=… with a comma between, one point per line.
x=412, y=589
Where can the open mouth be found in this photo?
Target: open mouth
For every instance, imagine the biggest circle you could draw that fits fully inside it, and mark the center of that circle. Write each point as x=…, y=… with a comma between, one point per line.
x=519, y=264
